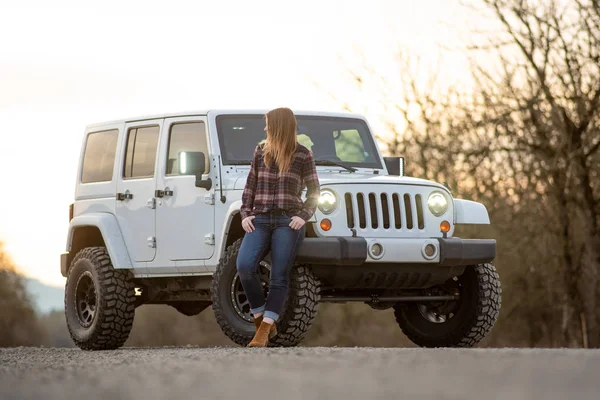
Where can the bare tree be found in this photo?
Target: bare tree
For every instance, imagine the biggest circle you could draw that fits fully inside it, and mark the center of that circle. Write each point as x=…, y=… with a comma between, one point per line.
x=526, y=142
x=547, y=93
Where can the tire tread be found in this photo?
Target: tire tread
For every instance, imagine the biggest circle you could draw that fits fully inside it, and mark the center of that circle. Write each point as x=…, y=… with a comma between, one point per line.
x=116, y=302
x=481, y=318
x=297, y=317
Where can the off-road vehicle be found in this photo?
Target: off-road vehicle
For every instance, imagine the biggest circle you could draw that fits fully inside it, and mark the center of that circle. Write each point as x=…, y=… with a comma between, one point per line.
x=156, y=221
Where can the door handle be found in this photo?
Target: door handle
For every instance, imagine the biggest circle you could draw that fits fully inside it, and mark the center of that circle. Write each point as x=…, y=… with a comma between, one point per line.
x=124, y=196
x=163, y=193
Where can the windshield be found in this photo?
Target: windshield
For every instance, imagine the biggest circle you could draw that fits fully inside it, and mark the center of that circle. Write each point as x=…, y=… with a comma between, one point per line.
x=342, y=140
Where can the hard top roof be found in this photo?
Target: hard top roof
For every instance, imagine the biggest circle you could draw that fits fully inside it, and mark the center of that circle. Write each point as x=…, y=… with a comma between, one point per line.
x=218, y=112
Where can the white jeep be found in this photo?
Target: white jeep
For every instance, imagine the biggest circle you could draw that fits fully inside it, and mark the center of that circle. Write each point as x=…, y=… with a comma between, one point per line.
x=156, y=221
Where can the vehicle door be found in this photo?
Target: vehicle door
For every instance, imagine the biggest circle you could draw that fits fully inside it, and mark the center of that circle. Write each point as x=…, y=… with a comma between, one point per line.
x=185, y=212
x=135, y=209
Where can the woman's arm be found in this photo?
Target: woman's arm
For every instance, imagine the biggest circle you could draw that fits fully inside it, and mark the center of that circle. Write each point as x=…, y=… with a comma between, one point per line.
x=311, y=180
x=250, y=188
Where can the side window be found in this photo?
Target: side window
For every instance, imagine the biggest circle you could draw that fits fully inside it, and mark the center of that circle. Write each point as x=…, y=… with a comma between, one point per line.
x=99, y=156
x=186, y=137
x=140, y=156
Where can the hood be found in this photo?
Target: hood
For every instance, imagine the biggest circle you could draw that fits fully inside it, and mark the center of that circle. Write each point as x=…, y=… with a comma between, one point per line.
x=327, y=178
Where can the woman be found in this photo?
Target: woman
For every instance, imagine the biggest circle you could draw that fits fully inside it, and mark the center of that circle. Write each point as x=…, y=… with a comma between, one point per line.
x=273, y=216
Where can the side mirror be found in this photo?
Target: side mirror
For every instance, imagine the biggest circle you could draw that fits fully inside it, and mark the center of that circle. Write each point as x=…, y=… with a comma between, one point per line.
x=193, y=163
x=394, y=165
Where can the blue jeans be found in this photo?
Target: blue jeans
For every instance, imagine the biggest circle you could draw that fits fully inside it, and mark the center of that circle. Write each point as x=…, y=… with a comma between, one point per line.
x=272, y=232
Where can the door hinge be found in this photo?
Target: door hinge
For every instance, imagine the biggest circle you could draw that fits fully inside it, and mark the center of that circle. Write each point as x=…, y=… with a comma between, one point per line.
x=163, y=193
x=152, y=242
x=124, y=196
x=209, y=238
x=209, y=198
x=151, y=203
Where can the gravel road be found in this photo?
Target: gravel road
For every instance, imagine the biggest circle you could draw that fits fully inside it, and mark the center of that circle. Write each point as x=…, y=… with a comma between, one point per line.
x=299, y=373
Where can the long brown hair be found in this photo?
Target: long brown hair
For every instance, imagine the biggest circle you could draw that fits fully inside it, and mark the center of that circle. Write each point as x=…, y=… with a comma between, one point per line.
x=281, y=142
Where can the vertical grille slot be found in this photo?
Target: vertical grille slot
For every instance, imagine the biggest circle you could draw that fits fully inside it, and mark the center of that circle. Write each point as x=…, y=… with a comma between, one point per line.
x=420, y=220
x=385, y=208
x=362, y=221
x=349, y=210
x=397, y=215
x=373, y=207
x=408, y=209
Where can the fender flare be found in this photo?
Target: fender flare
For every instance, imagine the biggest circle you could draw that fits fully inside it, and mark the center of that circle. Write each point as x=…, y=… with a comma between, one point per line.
x=111, y=234
x=470, y=212
x=232, y=210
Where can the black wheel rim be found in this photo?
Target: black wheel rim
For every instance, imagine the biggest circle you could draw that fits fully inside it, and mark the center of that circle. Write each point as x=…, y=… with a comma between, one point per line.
x=239, y=299
x=85, y=299
x=442, y=312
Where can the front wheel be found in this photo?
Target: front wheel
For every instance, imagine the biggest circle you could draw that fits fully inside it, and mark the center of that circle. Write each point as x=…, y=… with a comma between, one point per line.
x=232, y=309
x=459, y=323
x=99, y=301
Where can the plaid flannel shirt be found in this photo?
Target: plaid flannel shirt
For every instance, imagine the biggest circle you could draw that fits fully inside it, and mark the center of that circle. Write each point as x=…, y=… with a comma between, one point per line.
x=266, y=189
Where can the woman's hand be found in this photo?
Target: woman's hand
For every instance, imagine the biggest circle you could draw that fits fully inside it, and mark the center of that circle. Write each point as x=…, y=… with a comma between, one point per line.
x=247, y=224
x=297, y=223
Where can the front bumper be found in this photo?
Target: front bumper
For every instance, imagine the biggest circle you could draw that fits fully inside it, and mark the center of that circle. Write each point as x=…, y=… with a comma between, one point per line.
x=466, y=251
x=358, y=251
x=335, y=250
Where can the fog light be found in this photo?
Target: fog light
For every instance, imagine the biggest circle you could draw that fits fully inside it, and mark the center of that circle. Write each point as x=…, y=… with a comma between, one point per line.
x=445, y=226
x=429, y=250
x=376, y=250
x=325, y=224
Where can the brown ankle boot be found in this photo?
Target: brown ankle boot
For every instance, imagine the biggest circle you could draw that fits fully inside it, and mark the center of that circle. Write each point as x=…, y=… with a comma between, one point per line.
x=257, y=322
x=263, y=334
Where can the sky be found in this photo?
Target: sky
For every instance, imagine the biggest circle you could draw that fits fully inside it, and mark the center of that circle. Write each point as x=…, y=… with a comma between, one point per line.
x=66, y=64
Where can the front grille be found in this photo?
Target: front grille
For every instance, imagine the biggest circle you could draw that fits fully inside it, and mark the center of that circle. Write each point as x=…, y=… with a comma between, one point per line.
x=384, y=210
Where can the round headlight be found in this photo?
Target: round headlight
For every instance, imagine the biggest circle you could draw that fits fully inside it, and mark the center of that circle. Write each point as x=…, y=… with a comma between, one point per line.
x=327, y=201
x=437, y=203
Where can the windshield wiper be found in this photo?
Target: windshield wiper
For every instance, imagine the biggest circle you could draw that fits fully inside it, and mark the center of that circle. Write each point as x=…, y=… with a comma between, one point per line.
x=339, y=164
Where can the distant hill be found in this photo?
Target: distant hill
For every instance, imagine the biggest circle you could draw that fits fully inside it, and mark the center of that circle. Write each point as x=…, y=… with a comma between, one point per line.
x=45, y=297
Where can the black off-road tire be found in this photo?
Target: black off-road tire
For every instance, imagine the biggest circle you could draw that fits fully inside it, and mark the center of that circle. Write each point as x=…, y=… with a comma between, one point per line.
x=476, y=312
x=115, y=301
x=299, y=312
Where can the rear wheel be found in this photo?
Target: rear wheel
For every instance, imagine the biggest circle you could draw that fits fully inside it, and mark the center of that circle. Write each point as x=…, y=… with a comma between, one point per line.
x=232, y=309
x=458, y=323
x=99, y=301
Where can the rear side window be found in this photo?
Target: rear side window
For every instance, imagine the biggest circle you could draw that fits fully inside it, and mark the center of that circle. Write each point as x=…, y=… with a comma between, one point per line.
x=140, y=156
x=186, y=137
x=99, y=156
